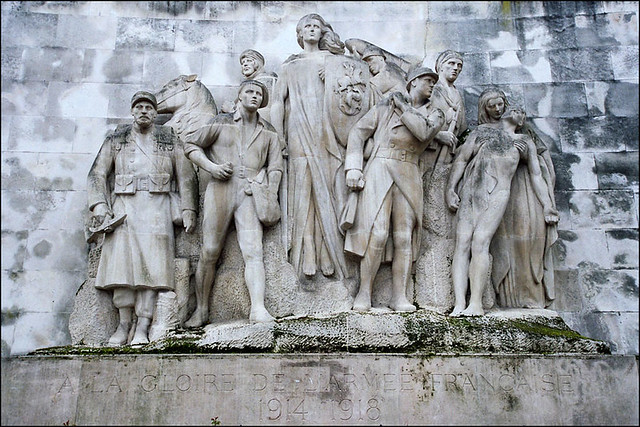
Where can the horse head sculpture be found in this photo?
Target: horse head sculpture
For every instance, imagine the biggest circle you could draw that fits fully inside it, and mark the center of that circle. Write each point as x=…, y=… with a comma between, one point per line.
x=190, y=102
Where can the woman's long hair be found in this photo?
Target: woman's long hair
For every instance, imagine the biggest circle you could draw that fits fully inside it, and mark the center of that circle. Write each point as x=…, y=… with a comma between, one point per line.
x=329, y=40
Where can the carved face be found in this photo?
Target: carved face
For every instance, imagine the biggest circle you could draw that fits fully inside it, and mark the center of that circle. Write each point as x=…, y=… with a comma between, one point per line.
x=312, y=31
x=376, y=64
x=451, y=69
x=144, y=114
x=495, y=108
x=250, y=97
x=249, y=66
x=424, y=85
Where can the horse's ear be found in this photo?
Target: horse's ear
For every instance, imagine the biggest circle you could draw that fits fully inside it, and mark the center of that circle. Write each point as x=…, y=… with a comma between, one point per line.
x=192, y=77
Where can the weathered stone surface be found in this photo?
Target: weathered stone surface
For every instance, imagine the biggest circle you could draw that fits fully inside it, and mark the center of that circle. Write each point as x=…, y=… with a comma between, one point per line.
x=28, y=29
x=580, y=64
x=505, y=331
x=599, y=134
x=578, y=246
x=566, y=100
x=145, y=34
x=112, y=66
x=547, y=32
x=344, y=389
x=520, y=67
x=609, y=208
x=624, y=60
x=623, y=248
x=616, y=98
x=94, y=318
x=617, y=170
x=575, y=171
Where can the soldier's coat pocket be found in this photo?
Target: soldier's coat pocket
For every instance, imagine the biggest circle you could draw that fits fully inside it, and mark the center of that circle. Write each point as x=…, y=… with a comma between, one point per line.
x=124, y=184
x=159, y=182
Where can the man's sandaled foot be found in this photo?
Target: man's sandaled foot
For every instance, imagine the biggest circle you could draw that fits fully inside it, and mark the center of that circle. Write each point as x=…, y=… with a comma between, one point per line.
x=457, y=312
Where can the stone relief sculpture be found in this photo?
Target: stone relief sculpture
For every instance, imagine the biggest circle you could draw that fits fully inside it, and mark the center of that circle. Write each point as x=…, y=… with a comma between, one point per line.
x=358, y=47
x=386, y=76
x=433, y=268
x=523, y=272
x=242, y=153
x=189, y=101
x=390, y=186
x=128, y=190
x=358, y=160
x=484, y=168
x=315, y=188
x=252, y=68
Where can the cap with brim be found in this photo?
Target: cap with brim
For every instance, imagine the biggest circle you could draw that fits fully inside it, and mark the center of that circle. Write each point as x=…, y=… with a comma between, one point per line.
x=419, y=72
x=144, y=96
x=372, y=51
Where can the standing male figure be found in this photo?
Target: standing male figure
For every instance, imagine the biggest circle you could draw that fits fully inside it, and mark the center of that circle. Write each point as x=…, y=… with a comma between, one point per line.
x=132, y=175
x=486, y=163
x=390, y=187
x=238, y=149
x=387, y=77
x=252, y=68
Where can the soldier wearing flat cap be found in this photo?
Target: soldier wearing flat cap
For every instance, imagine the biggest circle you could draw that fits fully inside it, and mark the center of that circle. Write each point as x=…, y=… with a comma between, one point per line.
x=389, y=186
x=386, y=76
x=129, y=186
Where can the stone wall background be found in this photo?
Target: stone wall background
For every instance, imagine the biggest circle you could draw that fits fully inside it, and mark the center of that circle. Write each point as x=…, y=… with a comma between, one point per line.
x=70, y=68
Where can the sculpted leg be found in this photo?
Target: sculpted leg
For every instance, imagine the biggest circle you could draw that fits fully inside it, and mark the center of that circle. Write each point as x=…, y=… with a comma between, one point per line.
x=368, y=270
x=308, y=244
x=123, y=300
x=478, y=274
x=400, y=271
x=122, y=332
x=372, y=257
x=249, y=231
x=215, y=223
x=145, y=302
x=460, y=271
x=403, y=223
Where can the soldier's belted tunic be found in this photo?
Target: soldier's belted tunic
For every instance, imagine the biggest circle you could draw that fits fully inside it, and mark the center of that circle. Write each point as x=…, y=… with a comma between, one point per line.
x=398, y=142
x=135, y=178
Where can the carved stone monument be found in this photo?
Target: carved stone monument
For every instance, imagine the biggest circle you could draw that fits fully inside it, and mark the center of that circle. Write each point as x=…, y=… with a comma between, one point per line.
x=376, y=254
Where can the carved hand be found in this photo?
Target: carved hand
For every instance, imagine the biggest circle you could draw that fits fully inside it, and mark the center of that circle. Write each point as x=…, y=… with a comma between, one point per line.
x=522, y=148
x=321, y=73
x=189, y=220
x=453, y=200
x=100, y=213
x=551, y=216
x=222, y=172
x=448, y=138
x=355, y=180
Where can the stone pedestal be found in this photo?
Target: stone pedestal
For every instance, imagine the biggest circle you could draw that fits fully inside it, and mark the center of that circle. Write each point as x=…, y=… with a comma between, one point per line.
x=319, y=389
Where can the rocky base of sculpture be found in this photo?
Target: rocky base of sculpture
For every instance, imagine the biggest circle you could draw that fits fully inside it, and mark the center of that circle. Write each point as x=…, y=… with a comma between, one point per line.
x=501, y=331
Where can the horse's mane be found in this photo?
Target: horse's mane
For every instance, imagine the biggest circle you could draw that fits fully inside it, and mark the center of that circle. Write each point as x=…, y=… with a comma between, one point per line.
x=200, y=112
x=205, y=100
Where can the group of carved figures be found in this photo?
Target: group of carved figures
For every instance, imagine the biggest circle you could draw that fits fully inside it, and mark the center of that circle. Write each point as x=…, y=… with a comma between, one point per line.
x=337, y=147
